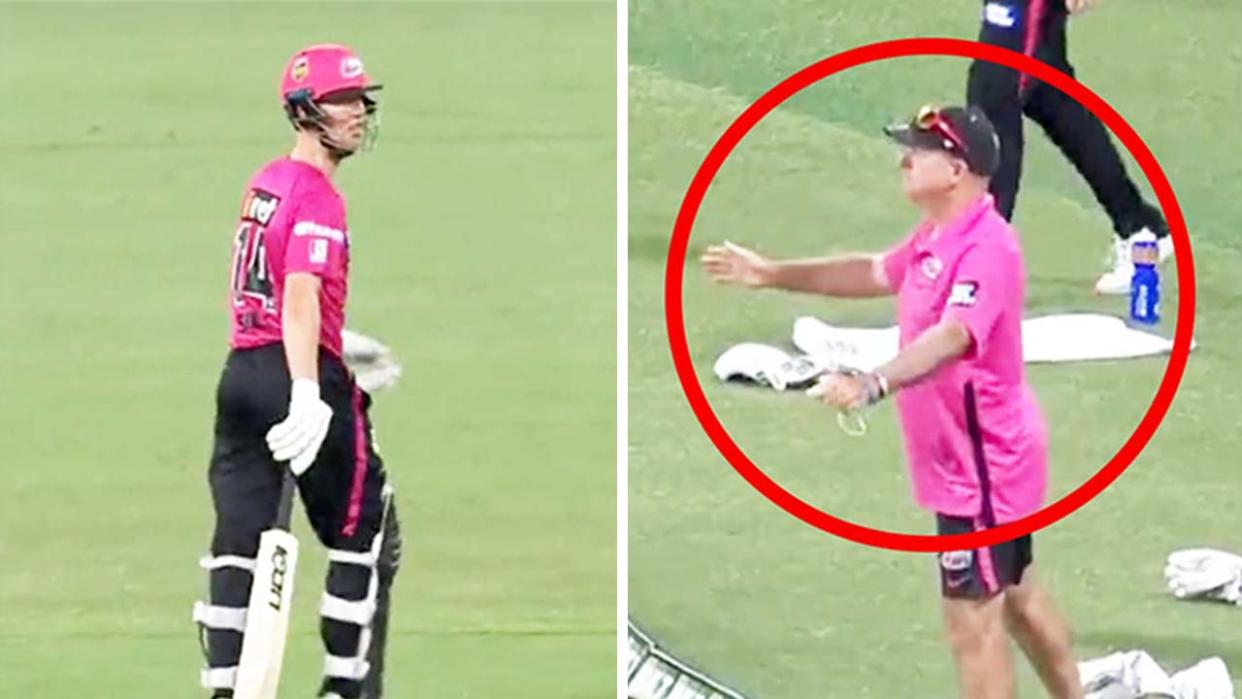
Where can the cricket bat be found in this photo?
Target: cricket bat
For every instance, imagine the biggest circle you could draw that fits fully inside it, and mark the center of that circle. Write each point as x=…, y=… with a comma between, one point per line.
x=271, y=596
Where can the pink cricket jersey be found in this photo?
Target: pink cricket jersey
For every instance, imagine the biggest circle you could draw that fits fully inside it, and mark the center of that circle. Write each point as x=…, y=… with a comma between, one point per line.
x=974, y=434
x=292, y=220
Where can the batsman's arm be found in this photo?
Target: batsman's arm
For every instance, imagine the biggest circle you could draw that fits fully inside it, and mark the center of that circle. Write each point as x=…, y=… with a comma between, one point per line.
x=855, y=275
x=943, y=342
x=300, y=325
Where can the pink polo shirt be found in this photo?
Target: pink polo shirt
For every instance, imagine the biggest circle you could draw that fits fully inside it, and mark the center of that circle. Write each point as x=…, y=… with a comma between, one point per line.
x=974, y=434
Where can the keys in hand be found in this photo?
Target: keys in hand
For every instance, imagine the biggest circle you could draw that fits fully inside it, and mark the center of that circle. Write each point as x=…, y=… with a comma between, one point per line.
x=849, y=391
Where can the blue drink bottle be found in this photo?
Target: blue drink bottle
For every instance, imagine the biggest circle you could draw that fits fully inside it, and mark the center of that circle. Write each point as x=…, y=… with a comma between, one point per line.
x=1145, y=284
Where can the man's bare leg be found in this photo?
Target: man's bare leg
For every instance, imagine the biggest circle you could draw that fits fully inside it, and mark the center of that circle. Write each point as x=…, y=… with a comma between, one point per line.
x=1044, y=636
x=976, y=634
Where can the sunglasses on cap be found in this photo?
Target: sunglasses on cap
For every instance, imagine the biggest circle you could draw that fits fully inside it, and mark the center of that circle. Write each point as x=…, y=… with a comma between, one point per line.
x=930, y=120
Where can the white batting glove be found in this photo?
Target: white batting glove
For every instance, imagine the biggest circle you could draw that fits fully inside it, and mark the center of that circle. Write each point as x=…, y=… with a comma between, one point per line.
x=297, y=439
x=1205, y=573
x=374, y=366
x=357, y=348
x=372, y=378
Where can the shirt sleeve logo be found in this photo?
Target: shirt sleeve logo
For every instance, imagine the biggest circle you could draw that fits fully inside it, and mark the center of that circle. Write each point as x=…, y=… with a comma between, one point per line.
x=963, y=294
x=319, y=251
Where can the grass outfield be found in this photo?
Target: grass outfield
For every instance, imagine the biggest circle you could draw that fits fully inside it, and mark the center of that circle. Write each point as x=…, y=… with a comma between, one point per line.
x=484, y=253
x=783, y=611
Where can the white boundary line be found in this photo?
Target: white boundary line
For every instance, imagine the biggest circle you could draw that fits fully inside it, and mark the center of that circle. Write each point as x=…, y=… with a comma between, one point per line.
x=622, y=346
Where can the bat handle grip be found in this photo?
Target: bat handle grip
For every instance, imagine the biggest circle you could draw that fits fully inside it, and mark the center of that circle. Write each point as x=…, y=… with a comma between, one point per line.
x=284, y=511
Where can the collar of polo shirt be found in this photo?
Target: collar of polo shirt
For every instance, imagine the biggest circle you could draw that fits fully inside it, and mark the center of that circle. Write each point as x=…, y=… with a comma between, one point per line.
x=941, y=239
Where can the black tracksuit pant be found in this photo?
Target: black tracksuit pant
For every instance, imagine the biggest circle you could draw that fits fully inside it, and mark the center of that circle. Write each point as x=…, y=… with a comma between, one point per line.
x=1038, y=28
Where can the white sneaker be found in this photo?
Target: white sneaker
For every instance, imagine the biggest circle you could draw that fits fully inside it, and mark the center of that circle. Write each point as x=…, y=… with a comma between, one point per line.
x=1165, y=247
x=1117, y=280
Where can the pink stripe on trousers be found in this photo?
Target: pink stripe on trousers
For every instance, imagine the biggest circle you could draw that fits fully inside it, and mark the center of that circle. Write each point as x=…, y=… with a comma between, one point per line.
x=360, y=466
x=1030, y=44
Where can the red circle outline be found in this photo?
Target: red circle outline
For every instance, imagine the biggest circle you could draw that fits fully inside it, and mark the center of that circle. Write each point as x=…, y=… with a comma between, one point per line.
x=675, y=267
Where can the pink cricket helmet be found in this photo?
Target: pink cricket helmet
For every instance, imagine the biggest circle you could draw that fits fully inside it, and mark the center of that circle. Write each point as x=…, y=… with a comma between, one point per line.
x=323, y=69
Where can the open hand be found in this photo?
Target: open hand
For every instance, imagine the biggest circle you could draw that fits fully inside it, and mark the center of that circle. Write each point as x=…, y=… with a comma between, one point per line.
x=734, y=264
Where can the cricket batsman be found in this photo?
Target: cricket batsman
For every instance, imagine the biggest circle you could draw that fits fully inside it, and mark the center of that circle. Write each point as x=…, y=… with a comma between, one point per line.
x=285, y=398
x=974, y=435
x=1037, y=28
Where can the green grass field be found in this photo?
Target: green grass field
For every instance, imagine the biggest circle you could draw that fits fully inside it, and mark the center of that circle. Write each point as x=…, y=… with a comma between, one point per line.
x=483, y=253
x=780, y=610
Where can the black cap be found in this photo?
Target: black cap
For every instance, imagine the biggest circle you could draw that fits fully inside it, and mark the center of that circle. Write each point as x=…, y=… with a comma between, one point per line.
x=965, y=132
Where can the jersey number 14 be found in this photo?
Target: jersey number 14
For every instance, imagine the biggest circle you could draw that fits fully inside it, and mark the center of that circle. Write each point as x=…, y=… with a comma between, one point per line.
x=251, y=275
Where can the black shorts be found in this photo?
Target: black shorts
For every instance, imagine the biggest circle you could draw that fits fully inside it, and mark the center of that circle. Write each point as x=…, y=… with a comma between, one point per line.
x=981, y=573
x=343, y=490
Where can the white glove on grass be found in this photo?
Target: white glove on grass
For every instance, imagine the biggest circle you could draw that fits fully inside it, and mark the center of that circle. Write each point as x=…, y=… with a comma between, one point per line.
x=1205, y=574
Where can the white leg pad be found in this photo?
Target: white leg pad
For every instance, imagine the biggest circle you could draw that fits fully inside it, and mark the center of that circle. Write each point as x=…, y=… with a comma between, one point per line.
x=214, y=617
x=219, y=677
x=215, y=562
x=341, y=609
x=345, y=668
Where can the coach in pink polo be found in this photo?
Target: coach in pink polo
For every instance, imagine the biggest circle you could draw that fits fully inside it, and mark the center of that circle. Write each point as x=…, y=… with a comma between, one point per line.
x=974, y=436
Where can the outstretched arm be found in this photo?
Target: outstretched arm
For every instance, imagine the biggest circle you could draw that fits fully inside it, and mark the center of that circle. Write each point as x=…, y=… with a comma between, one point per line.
x=854, y=275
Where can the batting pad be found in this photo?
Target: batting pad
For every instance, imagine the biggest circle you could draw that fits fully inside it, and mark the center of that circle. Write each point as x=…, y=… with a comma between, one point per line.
x=656, y=674
x=1063, y=337
x=1134, y=674
x=1059, y=338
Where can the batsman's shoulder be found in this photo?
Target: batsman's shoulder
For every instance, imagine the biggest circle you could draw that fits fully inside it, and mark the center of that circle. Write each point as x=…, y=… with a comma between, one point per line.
x=316, y=196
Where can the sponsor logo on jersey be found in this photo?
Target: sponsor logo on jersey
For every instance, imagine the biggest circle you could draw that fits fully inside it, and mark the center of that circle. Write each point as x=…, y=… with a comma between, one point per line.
x=319, y=231
x=301, y=69
x=999, y=14
x=963, y=294
x=259, y=206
